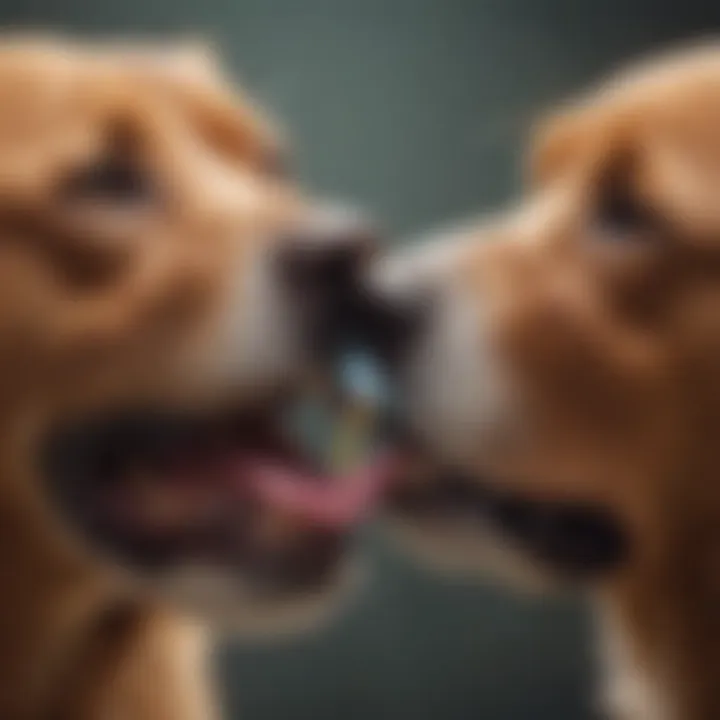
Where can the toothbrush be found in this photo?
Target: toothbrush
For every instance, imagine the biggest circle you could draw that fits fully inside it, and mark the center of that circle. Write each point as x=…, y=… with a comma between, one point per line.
x=363, y=384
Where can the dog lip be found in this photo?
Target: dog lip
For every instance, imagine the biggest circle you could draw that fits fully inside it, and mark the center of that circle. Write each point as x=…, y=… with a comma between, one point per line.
x=574, y=539
x=577, y=539
x=155, y=490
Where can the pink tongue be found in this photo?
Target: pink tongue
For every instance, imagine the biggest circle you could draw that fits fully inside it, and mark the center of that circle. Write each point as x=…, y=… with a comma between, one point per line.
x=336, y=502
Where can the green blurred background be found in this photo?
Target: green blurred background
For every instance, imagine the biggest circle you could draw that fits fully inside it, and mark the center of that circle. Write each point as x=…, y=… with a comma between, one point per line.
x=417, y=109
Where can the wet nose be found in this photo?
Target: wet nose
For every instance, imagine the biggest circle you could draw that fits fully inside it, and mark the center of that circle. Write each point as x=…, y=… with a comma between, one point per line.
x=322, y=265
x=326, y=255
x=391, y=318
x=329, y=266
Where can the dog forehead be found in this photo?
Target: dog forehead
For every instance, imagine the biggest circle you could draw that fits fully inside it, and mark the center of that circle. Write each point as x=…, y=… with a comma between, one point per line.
x=179, y=60
x=658, y=121
x=55, y=55
x=58, y=99
x=189, y=72
x=678, y=93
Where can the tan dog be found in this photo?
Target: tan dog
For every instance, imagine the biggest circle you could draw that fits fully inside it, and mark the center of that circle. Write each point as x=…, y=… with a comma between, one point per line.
x=563, y=379
x=163, y=287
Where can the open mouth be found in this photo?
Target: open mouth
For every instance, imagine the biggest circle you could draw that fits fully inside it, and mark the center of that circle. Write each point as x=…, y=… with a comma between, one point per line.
x=157, y=490
x=570, y=539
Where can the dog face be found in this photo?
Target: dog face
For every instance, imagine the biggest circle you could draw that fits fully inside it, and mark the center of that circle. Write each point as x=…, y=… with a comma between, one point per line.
x=561, y=385
x=163, y=289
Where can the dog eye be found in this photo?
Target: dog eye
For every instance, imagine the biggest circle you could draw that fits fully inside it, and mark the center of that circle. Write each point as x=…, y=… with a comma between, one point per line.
x=620, y=217
x=620, y=214
x=111, y=180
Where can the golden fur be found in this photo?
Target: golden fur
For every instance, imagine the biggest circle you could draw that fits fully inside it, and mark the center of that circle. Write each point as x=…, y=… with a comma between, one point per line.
x=99, y=306
x=607, y=332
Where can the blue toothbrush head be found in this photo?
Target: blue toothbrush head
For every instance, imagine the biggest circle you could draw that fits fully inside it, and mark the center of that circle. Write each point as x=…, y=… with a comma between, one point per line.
x=362, y=377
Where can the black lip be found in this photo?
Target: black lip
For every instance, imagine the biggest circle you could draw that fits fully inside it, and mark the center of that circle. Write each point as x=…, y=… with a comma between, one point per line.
x=572, y=539
x=577, y=540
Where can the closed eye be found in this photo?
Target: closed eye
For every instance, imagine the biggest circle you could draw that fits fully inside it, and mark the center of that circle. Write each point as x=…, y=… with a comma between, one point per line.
x=620, y=214
x=119, y=176
x=621, y=217
x=115, y=180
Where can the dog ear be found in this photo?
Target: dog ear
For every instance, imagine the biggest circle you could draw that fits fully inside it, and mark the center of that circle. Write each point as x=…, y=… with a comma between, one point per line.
x=557, y=140
x=197, y=77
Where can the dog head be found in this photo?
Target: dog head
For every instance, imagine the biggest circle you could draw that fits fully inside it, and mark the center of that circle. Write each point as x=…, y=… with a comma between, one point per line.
x=559, y=378
x=166, y=287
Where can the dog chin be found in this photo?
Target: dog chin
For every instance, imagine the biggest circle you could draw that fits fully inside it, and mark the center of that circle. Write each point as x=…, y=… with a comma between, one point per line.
x=457, y=550
x=230, y=605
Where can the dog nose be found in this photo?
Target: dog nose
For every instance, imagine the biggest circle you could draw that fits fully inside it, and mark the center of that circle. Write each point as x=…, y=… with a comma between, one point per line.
x=322, y=265
x=329, y=266
x=325, y=257
x=387, y=326
x=390, y=318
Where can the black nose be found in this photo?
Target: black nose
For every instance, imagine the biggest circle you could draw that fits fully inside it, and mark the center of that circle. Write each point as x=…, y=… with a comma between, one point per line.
x=388, y=328
x=326, y=260
x=322, y=265
x=327, y=268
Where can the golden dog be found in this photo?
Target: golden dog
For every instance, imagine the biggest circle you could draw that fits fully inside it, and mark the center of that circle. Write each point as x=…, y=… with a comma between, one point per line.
x=562, y=377
x=164, y=288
